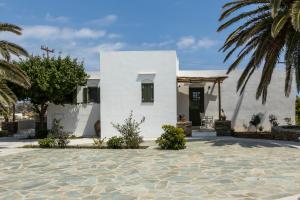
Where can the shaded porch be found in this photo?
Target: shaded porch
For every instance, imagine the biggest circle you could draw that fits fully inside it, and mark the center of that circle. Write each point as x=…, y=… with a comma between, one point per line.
x=200, y=100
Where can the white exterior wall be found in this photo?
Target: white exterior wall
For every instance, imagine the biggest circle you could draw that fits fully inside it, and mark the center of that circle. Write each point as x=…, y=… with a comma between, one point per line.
x=79, y=119
x=121, y=76
x=238, y=108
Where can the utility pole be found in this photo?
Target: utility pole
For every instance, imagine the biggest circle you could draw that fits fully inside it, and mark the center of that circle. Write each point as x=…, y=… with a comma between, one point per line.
x=47, y=50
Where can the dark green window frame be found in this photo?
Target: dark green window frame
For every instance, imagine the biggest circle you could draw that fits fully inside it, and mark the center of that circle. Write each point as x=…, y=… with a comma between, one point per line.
x=71, y=98
x=91, y=95
x=147, y=92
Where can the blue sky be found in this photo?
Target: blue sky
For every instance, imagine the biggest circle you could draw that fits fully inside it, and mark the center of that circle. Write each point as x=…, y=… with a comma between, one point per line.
x=83, y=28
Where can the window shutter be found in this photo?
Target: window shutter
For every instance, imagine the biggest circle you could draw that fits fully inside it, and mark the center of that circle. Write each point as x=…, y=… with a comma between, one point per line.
x=84, y=95
x=147, y=92
x=151, y=92
x=98, y=95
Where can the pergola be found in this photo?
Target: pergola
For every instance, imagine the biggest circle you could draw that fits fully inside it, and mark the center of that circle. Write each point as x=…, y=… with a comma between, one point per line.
x=213, y=79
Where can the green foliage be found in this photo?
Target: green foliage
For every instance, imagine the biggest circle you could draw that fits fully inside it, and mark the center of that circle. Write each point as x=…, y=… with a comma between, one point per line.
x=298, y=111
x=46, y=142
x=172, y=138
x=115, y=142
x=51, y=80
x=56, y=133
x=267, y=31
x=130, y=131
x=98, y=142
x=273, y=120
x=10, y=72
x=256, y=119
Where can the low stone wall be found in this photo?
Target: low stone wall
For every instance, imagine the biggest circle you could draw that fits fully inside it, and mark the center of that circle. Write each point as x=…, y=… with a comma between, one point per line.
x=286, y=132
x=254, y=135
x=11, y=127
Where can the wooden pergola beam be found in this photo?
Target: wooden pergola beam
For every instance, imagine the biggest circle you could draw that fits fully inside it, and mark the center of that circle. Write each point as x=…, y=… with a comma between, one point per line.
x=182, y=79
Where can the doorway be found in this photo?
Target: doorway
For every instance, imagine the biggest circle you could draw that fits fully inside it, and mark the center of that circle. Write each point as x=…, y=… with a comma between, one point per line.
x=196, y=105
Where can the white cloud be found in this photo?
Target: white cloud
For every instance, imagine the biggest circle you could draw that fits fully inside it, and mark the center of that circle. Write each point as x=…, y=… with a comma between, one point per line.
x=162, y=44
x=45, y=32
x=107, y=20
x=113, y=36
x=106, y=47
x=60, y=19
x=186, y=42
x=190, y=42
x=206, y=43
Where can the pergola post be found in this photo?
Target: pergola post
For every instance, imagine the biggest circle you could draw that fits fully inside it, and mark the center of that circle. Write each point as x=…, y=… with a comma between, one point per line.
x=219, y=96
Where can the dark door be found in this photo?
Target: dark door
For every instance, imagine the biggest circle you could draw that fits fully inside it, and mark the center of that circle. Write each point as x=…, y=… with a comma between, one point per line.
x=196, y=105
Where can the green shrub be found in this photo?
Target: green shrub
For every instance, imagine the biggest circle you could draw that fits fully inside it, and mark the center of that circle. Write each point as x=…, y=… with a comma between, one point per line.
x=98, y=142
x=115, y=142
x=46, y=142
x=60, y=137
x=172, y=138
x=130, y=131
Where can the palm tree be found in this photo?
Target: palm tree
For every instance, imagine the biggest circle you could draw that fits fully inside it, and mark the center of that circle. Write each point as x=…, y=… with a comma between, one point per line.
x=8, y=71
x=266, y=31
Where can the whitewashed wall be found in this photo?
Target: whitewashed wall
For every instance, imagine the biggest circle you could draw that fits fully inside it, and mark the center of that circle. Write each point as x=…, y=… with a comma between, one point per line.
x=77, y=119
x=121, y=76
x=238, y=108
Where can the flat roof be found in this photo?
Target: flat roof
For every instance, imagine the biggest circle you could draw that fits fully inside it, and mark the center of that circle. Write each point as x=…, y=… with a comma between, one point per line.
x=93, y=74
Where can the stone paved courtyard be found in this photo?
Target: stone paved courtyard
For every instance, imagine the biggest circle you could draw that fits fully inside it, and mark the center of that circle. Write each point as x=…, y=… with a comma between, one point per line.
x=215, y=169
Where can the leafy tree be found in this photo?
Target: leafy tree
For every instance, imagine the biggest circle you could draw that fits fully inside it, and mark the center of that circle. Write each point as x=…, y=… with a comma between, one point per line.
x=8, y=71
x=266, y=29
x=51, y=80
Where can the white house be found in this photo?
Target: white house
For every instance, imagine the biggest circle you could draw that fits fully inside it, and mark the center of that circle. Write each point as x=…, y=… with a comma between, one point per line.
x=150, y=84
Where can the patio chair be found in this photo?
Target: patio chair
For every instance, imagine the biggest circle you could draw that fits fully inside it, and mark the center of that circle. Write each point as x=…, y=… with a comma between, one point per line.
x=207, y=121
x=202, y=122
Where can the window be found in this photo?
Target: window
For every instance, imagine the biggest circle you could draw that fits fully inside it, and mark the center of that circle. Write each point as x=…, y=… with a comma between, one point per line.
x=91, y=95
x=71, y=98
x=147, y=92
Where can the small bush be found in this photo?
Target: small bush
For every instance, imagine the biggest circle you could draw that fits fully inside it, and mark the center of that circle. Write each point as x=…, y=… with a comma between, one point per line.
x=256, y=119
x=60, y=137
x=46, y=142
x=98, y=142
x=130, y=131
x=273, y=120
x=172, y=138
x=115, y=142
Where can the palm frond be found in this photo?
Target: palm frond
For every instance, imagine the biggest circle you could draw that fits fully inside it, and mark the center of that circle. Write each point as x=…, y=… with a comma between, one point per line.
x=275, y=7
x=242, y=16
x=268, y=30
x=271, y=60
x=12, y=48
x=231, y=8
x=279, y=23
x=295, y=14
x=13, y=73
x=7, y=97
x=10, y=28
